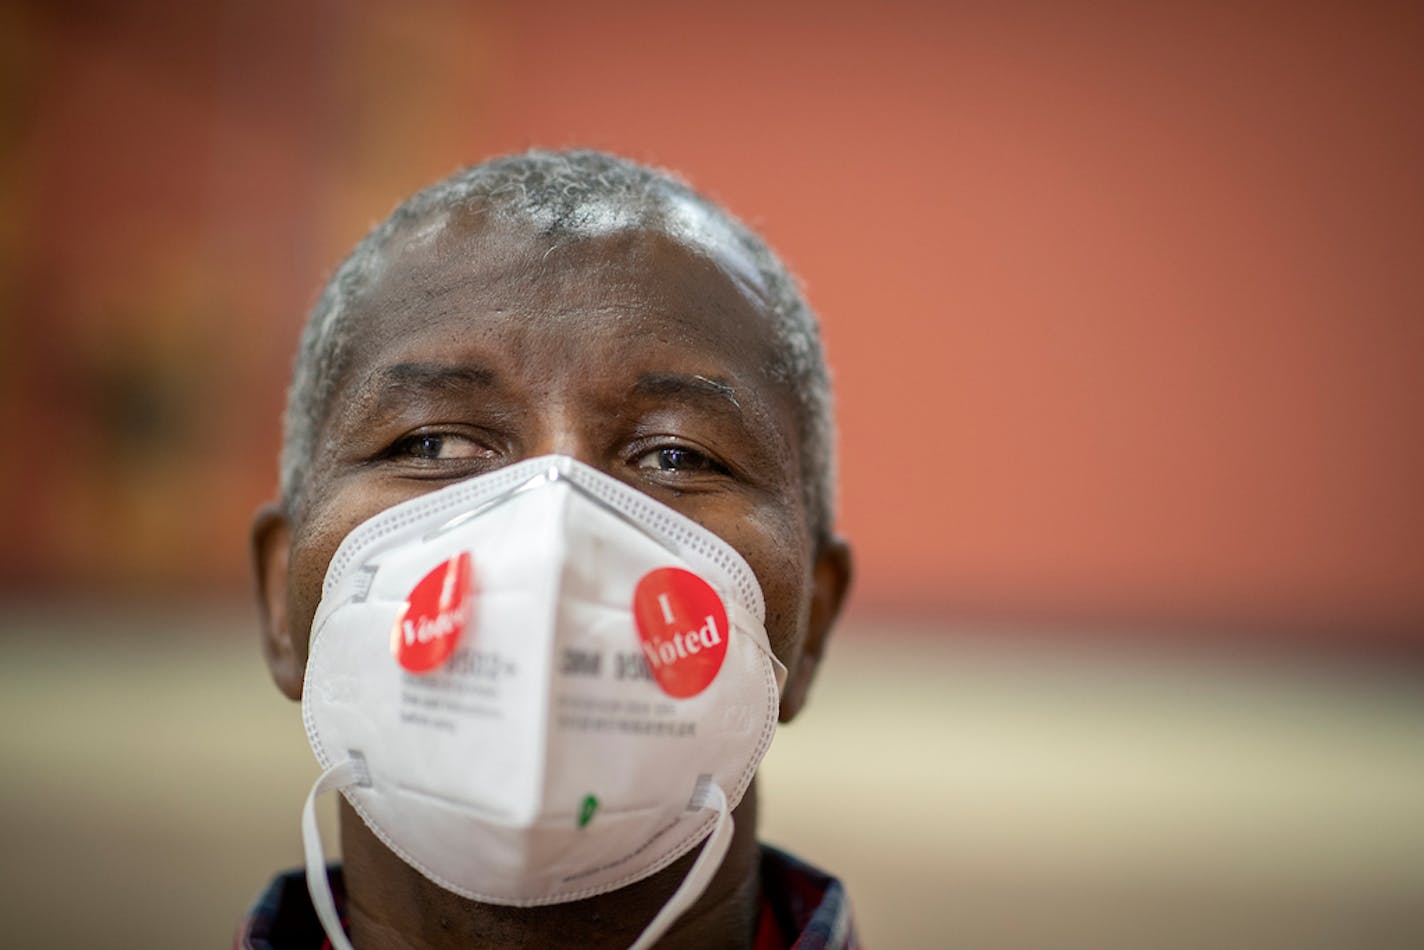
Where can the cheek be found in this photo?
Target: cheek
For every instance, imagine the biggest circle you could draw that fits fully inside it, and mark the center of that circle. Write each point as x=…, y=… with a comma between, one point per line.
x=788, y=607
x=306, y=572
x=316, y=539
x=773, y=544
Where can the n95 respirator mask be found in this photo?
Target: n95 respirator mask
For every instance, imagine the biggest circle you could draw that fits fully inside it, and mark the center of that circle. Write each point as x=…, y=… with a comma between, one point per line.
x=536, y=686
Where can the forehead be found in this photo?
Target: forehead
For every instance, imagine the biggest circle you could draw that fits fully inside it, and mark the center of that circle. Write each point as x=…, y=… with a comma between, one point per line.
x=464, y=276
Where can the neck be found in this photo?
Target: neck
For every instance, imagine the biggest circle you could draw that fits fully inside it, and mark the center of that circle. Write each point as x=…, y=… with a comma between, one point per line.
x=392, y=906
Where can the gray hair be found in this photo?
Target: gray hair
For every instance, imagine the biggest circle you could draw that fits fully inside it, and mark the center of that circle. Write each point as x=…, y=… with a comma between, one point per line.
x=572, y=194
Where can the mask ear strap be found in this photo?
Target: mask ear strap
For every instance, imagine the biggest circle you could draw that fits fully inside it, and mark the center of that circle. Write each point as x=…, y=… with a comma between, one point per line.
x=707, y=795
x=349, y=772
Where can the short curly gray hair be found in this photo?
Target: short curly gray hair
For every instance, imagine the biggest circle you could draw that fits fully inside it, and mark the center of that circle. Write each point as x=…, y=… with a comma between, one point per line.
x=572, y=194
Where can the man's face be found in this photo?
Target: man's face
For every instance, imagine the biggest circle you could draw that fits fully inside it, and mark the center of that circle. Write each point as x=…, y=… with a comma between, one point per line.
x=479, y=345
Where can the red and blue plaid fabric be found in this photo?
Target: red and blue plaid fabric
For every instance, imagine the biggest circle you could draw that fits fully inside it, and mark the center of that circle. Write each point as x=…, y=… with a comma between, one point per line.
x=807, y=907
x=801, y=909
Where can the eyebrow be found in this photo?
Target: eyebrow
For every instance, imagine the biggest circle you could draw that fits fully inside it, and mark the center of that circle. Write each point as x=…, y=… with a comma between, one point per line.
x=437, y=375
x=688, y=386
x=393, y=385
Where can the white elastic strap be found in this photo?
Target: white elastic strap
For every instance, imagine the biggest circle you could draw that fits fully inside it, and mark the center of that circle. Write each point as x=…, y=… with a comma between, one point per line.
x=709, y=795
x=698, y=877
x=339, y=775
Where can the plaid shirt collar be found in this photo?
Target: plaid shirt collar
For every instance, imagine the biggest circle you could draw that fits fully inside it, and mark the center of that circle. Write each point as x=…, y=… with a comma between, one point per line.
x=802, y=908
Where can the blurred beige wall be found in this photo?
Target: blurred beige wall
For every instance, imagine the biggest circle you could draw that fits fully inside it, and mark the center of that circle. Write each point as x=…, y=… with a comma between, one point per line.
x=970, y=793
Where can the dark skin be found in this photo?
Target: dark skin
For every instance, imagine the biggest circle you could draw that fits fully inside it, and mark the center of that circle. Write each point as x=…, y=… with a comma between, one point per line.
x=481, y=344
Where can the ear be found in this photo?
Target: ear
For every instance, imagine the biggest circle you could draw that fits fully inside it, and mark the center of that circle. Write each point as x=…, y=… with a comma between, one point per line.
x=271, y=549
x=830, y=580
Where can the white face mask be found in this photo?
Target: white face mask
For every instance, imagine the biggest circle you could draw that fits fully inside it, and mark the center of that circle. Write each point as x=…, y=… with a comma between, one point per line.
x=536, y=686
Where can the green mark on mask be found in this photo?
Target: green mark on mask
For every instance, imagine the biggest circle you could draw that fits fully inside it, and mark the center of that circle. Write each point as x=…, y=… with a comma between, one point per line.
x=586, y=810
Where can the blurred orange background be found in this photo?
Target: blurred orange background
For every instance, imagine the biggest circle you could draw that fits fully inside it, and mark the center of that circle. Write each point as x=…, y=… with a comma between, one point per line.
x=1125, y=302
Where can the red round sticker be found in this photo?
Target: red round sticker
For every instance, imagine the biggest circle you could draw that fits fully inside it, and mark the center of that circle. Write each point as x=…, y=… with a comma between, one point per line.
x=435, y=616
x=683, y=628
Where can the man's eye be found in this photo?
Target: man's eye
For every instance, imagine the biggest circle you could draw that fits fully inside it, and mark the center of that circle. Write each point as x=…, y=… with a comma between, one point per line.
x=437, y=446
x=676, y=458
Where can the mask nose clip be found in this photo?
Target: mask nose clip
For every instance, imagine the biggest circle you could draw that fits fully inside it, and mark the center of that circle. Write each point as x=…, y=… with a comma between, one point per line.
x=556, y=471
x=561, y=469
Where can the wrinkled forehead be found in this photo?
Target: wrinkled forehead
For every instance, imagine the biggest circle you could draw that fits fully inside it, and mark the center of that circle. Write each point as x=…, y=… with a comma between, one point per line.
x=455, y=274
x=495, y=231
x=692, y=271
